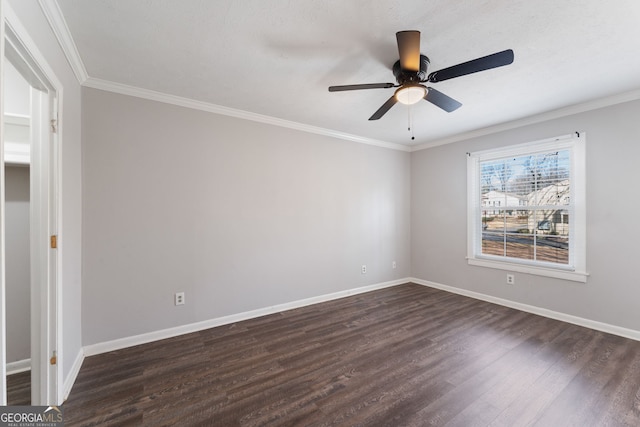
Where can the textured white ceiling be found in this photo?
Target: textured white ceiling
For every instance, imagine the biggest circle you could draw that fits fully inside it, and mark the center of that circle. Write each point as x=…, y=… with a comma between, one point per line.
x=278, y=57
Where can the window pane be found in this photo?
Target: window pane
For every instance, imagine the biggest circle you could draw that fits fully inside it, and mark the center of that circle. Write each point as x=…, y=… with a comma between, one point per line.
x=493, y=244
x=553, y=249
x=556, y=194
x=520, y=246
x=518, y=222
x=552, y=222
x=552, y=236
x=508, y=220
x=492, y=220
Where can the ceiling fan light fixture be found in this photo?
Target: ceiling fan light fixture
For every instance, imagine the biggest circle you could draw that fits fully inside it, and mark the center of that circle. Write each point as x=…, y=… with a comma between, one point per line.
x=409, y=95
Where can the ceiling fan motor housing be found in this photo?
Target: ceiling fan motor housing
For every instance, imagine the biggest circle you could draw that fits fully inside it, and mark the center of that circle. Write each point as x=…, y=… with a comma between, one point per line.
x=408, y=76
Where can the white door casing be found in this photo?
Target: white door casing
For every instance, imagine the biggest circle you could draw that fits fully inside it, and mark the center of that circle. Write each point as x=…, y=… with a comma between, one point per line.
x=46, y=312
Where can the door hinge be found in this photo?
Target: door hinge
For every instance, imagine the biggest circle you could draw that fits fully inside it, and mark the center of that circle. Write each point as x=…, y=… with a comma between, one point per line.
x=54, y=242
x=54, y=359
x=54, y=125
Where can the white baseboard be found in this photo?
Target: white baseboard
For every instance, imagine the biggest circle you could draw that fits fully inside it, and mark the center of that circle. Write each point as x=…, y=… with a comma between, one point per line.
x=121, y=343
x=18, y=366
x=104, y=347
x=580, y=321
x=73, y=374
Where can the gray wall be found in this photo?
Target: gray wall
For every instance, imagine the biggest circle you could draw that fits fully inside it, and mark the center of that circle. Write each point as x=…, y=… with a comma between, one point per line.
x=17, y=257
x=439, y=214
x=239, y=215
x=34, y=21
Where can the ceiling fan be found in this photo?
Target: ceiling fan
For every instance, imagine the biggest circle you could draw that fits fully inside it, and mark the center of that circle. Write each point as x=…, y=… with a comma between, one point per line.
x=411, y=71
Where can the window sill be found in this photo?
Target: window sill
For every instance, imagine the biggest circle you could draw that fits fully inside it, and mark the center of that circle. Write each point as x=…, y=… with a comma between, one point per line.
x=574, y=276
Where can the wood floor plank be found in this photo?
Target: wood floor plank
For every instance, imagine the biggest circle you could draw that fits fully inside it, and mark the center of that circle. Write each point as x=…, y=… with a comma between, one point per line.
x=488, y=407
x=19, y=389
x=587, y=388
x=573, y=348
x=402, y=356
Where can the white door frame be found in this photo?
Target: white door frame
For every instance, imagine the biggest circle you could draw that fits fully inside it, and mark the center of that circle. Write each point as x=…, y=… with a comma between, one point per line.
x=46, y=310
x=3, y=310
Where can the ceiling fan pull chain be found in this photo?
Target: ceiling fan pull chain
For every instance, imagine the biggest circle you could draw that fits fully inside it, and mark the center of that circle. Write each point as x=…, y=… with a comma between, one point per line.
x=410, y=119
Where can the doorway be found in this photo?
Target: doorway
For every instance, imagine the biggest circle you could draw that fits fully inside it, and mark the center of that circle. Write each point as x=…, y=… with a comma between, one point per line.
x=44, y=361
x=17, y=113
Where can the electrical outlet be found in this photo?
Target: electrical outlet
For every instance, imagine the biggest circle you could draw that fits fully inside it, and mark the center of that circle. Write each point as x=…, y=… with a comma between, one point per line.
x=511, y=279
x=393, y=265
x=179, y=298
x=364, y=269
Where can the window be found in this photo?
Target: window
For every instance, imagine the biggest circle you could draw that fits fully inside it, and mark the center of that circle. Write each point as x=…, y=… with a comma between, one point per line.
x=520, y=199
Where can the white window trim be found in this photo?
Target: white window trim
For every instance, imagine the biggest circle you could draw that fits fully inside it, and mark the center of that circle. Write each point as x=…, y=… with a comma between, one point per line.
x=578, y=225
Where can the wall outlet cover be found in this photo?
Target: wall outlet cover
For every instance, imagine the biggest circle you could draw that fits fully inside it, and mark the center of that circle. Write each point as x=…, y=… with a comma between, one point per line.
x=179, y=298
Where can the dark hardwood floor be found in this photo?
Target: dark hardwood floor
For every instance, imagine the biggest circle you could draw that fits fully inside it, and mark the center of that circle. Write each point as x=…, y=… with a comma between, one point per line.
x=402, y=356
x=19, y=389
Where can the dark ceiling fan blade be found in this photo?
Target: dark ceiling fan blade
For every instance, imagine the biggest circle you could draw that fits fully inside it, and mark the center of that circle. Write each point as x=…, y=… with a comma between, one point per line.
x=494, y=60
x=441, y=100
x=409, y=50
x=364, y=86
x=385, y=107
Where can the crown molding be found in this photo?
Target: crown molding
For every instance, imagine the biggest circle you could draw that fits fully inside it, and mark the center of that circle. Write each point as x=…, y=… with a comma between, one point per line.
x=608, y=101
x=56, y=20
x=232, y=112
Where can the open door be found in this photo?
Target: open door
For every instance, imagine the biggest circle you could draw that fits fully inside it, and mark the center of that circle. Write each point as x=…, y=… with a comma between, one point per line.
x=45, y=310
